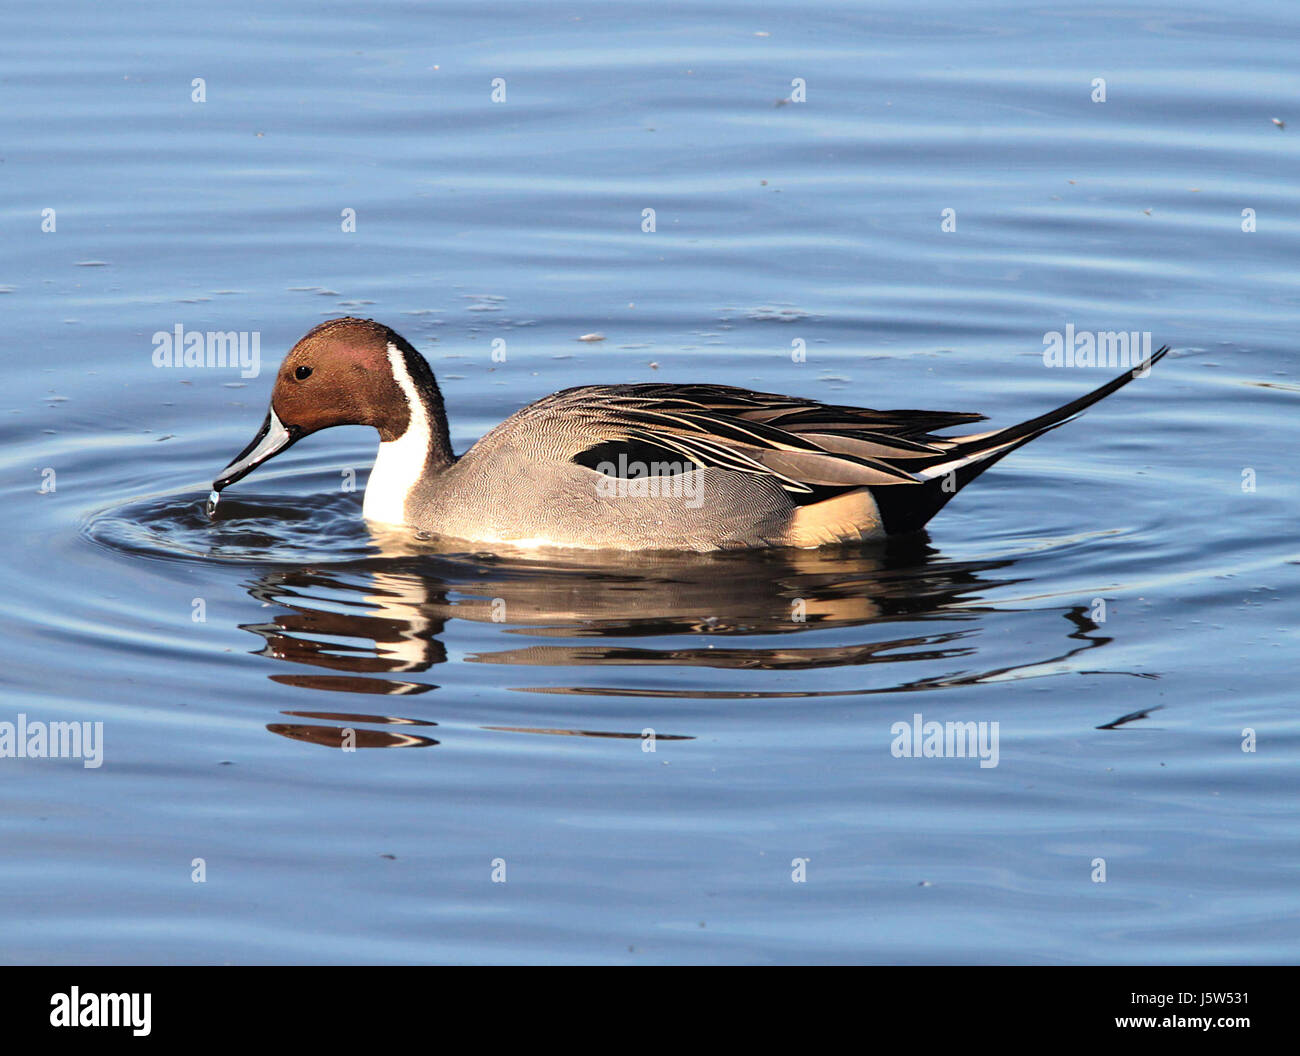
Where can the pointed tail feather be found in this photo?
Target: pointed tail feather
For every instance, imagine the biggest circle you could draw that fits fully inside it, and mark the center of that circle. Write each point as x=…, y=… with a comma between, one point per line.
x=907, y=507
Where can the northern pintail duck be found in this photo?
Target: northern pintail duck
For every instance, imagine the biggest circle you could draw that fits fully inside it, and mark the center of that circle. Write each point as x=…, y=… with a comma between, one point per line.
x=630, y=467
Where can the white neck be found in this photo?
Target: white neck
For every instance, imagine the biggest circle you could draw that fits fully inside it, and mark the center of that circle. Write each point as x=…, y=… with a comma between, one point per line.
x=400, y=463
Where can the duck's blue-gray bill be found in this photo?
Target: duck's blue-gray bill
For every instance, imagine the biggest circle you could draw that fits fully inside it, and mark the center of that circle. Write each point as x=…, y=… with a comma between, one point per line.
x=270, y=440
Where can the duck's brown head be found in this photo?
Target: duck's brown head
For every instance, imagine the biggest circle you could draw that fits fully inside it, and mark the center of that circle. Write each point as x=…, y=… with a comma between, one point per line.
x=346, y=372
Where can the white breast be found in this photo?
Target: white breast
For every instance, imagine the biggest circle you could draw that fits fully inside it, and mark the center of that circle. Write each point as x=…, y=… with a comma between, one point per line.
x=401, y=462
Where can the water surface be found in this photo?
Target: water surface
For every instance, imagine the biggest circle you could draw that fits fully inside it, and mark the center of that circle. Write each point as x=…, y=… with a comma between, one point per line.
x=1141, y=560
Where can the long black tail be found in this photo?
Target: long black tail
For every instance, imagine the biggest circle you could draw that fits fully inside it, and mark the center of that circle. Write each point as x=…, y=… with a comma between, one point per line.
x=907, y=507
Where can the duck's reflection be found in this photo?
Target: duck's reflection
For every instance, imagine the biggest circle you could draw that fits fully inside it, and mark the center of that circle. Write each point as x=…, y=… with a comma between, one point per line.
x=387, y=615
x=349, y=738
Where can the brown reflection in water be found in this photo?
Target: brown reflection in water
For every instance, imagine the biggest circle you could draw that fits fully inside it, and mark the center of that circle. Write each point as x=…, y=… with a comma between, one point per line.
x=771, y=659
x=349, y=736
x=802, y=659
x=587, y=733
x=353, y=684
x=341, y=716
x=386, y=614
x=381, y=610
x=338, y=737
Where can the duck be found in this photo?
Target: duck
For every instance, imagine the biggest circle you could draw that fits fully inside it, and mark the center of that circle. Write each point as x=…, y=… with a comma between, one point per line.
x=630, y=467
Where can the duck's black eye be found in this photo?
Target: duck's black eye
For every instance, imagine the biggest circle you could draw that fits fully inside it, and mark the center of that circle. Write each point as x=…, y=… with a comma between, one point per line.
x=302, y=373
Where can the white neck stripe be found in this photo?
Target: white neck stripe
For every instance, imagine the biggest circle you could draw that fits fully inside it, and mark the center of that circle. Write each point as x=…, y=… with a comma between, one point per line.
x=402, y=462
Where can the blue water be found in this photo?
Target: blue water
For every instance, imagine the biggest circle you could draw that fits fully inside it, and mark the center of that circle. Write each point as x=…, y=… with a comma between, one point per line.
x=787, y=215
